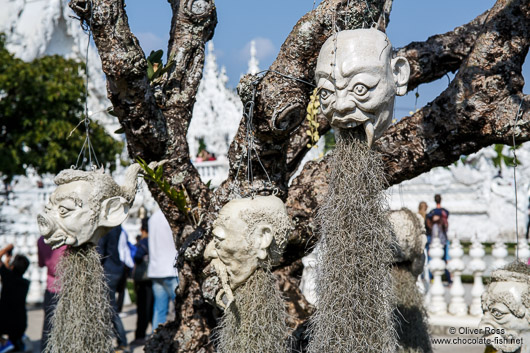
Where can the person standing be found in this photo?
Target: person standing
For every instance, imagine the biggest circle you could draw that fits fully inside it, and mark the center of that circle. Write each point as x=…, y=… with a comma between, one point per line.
x=113, y=269
x=437, y=225
x=13, y=314
x=142, y=286
x=48, y=258
x=161, y=269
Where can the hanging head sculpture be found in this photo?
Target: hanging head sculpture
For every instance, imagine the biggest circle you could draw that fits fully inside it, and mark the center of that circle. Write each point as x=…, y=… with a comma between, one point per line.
x=506, y=307
x=85, y=206
x=358, y=80
x=249, y=238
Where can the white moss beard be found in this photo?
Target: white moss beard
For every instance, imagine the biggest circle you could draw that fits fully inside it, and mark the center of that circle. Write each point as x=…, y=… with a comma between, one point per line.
x=255, y=322
x=82, y=321
x=353, y=280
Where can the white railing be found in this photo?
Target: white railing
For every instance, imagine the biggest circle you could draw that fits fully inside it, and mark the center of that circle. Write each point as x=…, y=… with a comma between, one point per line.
x=214, y=171
x=462, y=300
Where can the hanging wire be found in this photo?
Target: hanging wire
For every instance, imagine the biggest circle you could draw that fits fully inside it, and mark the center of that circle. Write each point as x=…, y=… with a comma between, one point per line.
x=517, y=116
x=87, y=150
x=250, y=146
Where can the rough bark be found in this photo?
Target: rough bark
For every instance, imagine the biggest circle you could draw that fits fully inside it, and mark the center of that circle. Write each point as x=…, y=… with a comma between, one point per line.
x=476, y=110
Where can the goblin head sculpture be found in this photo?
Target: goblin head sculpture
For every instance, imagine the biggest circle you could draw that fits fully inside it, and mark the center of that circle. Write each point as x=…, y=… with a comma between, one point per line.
x=85, y=205
x=358, y=80
x=249, y=233
x=506, y=307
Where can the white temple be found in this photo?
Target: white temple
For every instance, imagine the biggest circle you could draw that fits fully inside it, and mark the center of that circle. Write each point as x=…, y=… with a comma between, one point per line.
x=480, y=201
x=217, y=112
x=38, y=28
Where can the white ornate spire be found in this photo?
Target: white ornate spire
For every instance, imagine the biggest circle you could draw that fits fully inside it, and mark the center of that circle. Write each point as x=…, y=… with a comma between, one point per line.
x=253, y=63
x=217, y=111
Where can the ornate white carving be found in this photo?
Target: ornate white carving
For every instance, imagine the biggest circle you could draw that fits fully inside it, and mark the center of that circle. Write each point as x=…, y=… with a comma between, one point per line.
x=358, y=80
x=437, y=304
x=477, y=266
x=249, y=233
x=506, y=305
x=456, y=266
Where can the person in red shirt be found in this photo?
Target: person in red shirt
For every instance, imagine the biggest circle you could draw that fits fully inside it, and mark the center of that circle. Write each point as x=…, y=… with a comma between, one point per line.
x=49, y=258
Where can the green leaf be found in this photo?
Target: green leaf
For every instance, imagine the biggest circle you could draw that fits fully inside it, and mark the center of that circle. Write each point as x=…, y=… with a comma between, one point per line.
x=156, y=56
x=150, y=71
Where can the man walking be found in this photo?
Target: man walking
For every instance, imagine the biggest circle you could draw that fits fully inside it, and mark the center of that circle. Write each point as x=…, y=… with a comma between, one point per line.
x=161, y=269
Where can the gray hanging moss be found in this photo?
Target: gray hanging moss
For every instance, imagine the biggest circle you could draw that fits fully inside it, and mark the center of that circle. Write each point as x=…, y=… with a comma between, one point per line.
x=354, y=280
x=256, y=321
x=83, y=318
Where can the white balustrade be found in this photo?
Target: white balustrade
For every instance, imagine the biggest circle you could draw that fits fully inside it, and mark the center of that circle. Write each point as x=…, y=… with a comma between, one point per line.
x=437, y=303
x=499, y=252
x=477, y=266
x=523, y=250
x=456, y=266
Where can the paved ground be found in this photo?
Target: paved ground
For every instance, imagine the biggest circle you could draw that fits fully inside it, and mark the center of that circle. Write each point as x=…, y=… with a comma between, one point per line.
x=35, y=316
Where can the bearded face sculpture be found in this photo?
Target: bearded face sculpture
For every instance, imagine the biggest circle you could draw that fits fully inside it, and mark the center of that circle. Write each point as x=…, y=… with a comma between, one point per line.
x=248, y=234
x=506, y=307
x=358, y=80
x=85, y=206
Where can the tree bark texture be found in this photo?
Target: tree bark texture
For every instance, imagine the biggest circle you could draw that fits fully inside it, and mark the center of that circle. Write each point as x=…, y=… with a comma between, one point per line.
x=477, y=109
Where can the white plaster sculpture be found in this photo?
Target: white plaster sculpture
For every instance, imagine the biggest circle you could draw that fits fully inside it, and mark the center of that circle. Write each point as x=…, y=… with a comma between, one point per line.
x=249, y=238
x=358, y=80
x=506, y=306
x=411, y=322
x=248, y=234
x=85, y=206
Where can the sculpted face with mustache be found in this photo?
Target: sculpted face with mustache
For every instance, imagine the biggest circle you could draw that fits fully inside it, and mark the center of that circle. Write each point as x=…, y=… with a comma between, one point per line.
x=248, y=234
x=506, y=307
x=358, y=79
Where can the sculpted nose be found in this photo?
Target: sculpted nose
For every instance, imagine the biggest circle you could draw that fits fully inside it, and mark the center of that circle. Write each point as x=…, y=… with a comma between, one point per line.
x=46, y=225
x=344, y=105
x=210, y=252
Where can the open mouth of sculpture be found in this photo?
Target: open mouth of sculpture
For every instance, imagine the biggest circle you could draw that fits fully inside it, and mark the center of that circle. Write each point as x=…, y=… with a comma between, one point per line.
x=363, y=126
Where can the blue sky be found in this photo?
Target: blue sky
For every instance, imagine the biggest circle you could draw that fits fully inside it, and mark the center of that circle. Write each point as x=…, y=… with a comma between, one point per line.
x=269, y=22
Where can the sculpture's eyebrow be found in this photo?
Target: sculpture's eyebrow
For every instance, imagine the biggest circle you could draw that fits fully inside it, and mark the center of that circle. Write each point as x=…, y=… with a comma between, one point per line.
x=72, y=196
x=507, y=299
x=350, y=70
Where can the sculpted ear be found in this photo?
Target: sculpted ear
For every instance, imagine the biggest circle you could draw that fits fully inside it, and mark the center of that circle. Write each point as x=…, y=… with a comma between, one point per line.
x=114, y=211
x=401, y=72
x=263, y=240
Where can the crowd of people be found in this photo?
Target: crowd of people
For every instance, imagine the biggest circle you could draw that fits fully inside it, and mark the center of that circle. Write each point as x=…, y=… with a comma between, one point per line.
x=155, y=281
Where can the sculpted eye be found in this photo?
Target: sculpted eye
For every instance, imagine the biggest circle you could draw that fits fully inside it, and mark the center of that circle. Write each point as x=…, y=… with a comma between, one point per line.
x=360, y=89
x=497, y=314
x=219, y=234
x=325, y=93
x=63, y=211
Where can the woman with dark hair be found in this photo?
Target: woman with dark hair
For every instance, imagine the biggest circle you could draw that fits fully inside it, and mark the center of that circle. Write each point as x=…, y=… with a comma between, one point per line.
x=13, y=298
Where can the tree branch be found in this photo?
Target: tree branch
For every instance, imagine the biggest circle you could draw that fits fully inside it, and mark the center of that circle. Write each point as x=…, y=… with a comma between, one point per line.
x=125, y=67
x=442, y=53
x=478, y=109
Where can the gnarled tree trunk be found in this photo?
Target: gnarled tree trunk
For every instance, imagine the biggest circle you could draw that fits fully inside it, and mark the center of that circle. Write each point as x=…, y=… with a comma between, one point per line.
x=477, y=109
